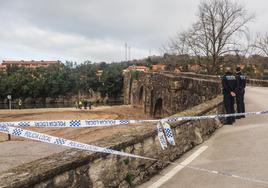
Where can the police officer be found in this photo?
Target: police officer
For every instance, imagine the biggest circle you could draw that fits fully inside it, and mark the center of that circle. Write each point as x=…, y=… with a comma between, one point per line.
x=228, y=89
x=240, y=91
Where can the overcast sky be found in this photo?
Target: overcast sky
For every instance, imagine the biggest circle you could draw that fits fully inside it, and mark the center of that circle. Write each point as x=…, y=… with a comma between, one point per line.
x=96, y=30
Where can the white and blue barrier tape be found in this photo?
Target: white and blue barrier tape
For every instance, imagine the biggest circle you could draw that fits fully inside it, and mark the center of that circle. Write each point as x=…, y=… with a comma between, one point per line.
x=110, y=122
x=168, y=133
x=70, y=123
x=164, y=131
x=161, y=136
x=63, y=142
x=192, y=118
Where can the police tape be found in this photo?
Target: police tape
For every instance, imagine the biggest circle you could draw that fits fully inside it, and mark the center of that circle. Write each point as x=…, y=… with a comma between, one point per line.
x=165, y=135
x=161, y=136
x=64, y=142
x=111, y=122
x=168, y=133
x=164, y=132
x=70, y=123
x=217, y=116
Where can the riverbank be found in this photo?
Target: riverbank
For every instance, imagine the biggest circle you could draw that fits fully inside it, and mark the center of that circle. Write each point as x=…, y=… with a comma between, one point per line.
x=65, y=104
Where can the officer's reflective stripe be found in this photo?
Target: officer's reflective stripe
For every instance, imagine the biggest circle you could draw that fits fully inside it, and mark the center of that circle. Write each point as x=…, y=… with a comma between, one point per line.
x=243, y=77
x=230, y=77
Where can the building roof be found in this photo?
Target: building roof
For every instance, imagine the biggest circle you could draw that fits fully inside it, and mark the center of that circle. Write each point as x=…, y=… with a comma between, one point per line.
x=137, y=67
x=22, y=62
x=158, y=67
x=141, y=67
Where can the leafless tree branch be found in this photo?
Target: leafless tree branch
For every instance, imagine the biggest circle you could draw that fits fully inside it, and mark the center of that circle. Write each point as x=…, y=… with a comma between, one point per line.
x=213, y=34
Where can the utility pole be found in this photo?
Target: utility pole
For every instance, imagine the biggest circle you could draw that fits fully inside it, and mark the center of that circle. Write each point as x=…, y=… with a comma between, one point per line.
x=125, y=51
x=9, y=97
x=9, y=100
x=129, y=56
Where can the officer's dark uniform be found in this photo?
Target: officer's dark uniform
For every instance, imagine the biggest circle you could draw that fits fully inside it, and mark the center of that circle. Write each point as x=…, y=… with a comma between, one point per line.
x=228, y=86
x=240, y=92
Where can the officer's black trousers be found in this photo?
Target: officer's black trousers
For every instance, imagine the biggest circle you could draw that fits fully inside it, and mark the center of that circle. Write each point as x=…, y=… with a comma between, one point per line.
x=229, y=107
x=240, y=105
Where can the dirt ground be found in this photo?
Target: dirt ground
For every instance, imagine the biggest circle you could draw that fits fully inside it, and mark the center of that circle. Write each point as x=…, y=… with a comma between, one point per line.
x=20, y=150
x=86, y=135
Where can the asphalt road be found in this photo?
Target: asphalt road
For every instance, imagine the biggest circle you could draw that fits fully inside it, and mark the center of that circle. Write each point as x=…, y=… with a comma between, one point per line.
x=240, y=150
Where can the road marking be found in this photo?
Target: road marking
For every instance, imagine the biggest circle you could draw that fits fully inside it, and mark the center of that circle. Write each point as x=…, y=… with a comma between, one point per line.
x=227, y=174
x=179, y=167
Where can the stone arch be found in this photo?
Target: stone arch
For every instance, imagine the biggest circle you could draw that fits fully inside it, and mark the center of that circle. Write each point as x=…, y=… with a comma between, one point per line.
x=158, y=108
x=141, y=94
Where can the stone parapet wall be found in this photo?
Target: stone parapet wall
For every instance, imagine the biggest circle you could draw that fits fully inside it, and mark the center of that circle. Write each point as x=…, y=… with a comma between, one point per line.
x=201, y=76
x=257, y=83
x=162, y=94
x=250, y=81
x=75, y=168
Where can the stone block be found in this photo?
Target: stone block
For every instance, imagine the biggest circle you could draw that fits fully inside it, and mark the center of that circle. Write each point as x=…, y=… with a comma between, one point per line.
x=175, y=85
x=61, y=180
x=46, y=184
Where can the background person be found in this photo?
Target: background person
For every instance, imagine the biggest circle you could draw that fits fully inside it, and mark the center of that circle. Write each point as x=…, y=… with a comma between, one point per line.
x=228, y=90
x=240, y=91
x=85, y=104
x=76, y=104
x=80, y=104
x=89, y=105
x=20, y=103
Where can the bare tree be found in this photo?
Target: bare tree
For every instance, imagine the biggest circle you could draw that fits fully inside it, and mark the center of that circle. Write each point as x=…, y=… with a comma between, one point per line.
x=218, y=28
x=179, y=44
x=261, y=45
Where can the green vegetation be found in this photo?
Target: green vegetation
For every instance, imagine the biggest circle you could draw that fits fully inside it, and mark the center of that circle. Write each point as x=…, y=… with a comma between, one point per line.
x=129, y=178
x=62, y=80
x=126, y=161
x=135, y=74
x=112, y=80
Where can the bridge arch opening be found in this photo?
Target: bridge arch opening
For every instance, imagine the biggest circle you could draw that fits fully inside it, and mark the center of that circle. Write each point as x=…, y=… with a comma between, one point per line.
x=158, y=108
x=141, y=93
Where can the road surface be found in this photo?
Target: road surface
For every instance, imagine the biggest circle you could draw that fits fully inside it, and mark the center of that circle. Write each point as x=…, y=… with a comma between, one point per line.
x=236, y=156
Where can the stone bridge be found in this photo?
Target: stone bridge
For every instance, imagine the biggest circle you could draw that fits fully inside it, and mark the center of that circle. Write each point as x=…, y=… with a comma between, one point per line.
x=164, y=94
x=234, y=157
